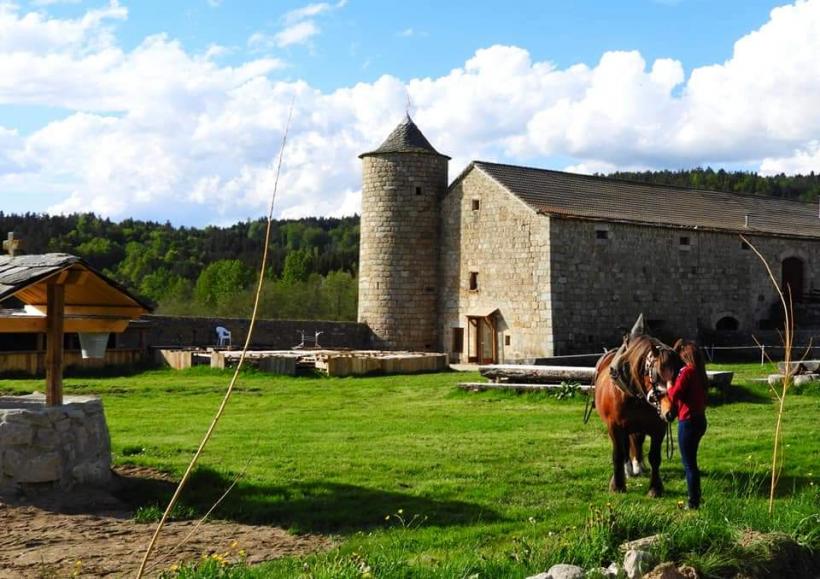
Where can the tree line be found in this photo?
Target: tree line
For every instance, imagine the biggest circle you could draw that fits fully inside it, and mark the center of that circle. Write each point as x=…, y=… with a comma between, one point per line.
x=311, y=270
x=313, y=261
x=796, y=187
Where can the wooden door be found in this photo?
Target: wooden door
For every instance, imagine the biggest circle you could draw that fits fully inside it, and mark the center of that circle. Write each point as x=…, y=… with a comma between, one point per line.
x=792, y=278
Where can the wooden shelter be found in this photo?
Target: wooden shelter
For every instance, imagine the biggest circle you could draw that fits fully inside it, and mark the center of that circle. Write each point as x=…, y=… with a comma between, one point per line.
x=61, y=293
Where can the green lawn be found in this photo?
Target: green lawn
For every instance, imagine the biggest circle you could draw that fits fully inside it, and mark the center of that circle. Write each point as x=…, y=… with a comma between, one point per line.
x=493, y=484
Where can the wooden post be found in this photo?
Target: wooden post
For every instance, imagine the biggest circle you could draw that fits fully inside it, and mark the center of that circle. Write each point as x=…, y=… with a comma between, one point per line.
x=55, y=317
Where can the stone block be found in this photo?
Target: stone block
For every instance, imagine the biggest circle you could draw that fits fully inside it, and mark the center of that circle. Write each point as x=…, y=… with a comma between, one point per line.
x=15, y=433
x=32, y=466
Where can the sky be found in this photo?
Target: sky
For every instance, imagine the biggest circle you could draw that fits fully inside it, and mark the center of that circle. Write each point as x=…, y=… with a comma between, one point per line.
x=175, y=111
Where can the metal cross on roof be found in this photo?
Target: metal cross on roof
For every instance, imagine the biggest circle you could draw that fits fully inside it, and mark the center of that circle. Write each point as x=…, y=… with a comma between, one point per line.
x=11, y=245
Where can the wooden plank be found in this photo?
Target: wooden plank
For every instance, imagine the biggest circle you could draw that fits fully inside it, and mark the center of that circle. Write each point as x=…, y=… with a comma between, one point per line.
x=532, y=373
x=218, y=360
x=802, y=366
x=54, y=348
x=483, y=386
x=94, y=310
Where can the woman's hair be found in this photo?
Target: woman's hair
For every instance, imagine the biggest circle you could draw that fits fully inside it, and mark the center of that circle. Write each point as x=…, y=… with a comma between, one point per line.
x=691, y=354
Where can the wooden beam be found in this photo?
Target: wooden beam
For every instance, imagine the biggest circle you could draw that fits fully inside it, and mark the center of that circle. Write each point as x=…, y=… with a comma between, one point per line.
x=38, y=324
x=54, y=347
x=93, y=310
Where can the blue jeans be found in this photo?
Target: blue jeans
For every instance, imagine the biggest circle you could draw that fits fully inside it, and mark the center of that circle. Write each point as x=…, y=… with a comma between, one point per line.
x=690, y=432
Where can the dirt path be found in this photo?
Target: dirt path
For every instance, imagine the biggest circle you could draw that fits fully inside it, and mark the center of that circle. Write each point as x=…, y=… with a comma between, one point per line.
x=92, y=534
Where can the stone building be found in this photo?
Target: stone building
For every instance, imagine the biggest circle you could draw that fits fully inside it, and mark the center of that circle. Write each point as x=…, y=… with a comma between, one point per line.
x=515, y=263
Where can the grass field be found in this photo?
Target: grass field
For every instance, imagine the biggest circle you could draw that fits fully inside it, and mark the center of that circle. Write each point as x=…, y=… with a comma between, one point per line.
x=418, y=479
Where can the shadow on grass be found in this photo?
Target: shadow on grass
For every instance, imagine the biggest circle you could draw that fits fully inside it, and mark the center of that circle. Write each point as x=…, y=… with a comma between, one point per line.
x=302, y=507
x=756, y=483
x=736, y=393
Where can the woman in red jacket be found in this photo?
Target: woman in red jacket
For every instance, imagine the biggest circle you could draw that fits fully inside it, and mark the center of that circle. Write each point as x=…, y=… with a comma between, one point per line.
x=688, y=397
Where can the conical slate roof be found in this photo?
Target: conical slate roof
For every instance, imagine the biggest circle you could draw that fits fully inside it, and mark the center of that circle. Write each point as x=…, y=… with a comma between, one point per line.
x=405, y=138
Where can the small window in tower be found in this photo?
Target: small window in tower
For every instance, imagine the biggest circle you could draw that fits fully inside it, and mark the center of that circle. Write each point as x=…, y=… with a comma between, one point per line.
x=745, y=246
x=473, y=281
x=507, y=340
x=418, y=190
x=476, y=204
x=458, y=340
x=684, y=243
x=684, y=240
x=601, y=234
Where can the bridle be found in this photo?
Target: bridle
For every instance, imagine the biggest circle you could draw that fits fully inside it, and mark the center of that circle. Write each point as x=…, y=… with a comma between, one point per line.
x=657, y=391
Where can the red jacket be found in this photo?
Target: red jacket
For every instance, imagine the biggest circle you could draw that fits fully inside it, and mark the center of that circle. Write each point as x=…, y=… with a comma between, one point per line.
x=688, y=393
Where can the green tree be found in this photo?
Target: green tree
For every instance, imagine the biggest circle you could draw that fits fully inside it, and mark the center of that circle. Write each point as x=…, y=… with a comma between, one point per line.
x=220, y=281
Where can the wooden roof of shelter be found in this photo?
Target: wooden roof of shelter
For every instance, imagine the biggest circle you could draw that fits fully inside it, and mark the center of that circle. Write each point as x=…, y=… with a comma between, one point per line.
x=607, y=199
x=93, y=301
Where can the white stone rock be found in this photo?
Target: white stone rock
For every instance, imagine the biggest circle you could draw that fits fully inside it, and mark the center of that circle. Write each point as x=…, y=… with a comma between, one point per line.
x=637, y=562
x=563, y=571
x=643, y=544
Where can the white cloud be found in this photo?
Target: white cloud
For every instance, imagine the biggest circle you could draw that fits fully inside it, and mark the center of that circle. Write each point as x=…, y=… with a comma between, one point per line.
x=305, y=12
x=803, y=161
x=298, y=33
x=299, y=27
x=157, y=132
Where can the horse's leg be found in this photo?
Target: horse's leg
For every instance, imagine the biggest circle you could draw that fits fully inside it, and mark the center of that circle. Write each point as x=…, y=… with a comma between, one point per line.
x=655, y=446
x=619, y=454
x=635, y=465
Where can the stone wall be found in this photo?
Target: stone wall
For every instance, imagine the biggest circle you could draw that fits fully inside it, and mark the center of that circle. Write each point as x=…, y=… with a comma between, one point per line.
x=181, y=331
x=602, y=281
x=399, y=247
x=65, y=445
x=488, y=231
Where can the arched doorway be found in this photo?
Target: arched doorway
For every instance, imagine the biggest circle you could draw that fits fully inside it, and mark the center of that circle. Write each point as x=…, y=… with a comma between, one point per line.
x=727, y=324
x=792, y=278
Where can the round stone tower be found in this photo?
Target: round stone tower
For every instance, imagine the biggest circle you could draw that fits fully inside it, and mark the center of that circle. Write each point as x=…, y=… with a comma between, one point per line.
x=403, y=183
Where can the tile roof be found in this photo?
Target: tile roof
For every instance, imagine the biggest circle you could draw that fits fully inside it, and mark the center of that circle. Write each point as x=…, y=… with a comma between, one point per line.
x=603, y=198
x=23, y=270
x=405, y=138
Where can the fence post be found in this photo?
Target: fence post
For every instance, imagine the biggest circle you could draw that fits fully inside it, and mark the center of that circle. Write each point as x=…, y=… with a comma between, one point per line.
x=762, y=353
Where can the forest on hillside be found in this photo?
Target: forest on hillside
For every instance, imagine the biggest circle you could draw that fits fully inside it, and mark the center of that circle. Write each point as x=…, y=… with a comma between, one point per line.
x=796, y=187
x=311, y=270
x=313, y=261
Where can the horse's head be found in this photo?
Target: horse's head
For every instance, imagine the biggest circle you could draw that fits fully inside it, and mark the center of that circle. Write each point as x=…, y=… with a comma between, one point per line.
x=661, y=366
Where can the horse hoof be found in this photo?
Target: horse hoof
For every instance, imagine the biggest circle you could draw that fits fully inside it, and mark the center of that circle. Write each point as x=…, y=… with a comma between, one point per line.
x=654, y=493
x=617, y=489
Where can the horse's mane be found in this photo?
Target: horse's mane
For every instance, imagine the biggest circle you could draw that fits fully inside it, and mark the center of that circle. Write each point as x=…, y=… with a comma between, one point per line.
x=635, y=356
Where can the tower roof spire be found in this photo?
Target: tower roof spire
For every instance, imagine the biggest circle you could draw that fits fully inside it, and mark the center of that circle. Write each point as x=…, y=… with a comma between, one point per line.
x=405, y=138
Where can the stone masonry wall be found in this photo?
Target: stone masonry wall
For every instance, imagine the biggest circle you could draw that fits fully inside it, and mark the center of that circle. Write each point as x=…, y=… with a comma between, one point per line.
x=64, y=445
x=600, y=285
x=507, y=244
x=398, y=253
x=182, y=331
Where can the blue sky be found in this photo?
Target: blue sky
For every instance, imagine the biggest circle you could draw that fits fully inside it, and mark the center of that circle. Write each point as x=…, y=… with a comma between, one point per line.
x=118, y=106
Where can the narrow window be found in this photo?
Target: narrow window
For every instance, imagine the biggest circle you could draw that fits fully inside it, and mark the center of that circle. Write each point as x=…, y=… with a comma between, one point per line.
x=601, y=234
x=473, y=280
x=476, y=204
x=458, y=340
x=684, y=241
x=418, y=190
x=507, y=340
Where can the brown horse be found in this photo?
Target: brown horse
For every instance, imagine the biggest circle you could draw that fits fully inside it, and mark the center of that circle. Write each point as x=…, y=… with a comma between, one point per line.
x=640, y=409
